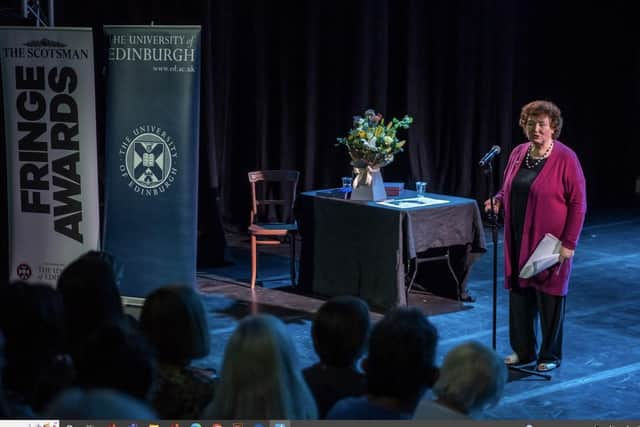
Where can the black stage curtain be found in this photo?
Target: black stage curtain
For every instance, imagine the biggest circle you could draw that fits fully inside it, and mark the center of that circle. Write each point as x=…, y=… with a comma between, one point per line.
x=281, y=80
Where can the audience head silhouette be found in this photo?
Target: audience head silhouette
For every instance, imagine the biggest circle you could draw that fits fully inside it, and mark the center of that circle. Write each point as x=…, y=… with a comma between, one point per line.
x=175, y=323
x=472, y=378
x=31, y=318
x=116, y=356
x=340, y=330
x=399, y=368
x=401, y=356
x=89, y=289
x=260, y=376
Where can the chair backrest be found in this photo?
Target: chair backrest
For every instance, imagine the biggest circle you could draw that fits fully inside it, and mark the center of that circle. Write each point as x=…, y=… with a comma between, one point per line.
x=273, y=194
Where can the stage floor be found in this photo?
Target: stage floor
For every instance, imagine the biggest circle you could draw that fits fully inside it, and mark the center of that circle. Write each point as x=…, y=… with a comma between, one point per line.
x=600, y=373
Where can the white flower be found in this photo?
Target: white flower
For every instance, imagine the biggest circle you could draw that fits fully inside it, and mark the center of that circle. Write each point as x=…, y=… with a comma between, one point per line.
x=371, y=143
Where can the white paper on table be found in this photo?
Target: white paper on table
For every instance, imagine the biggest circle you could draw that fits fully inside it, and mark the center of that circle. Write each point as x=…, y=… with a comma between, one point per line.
x=546, y=254
x=413, y=202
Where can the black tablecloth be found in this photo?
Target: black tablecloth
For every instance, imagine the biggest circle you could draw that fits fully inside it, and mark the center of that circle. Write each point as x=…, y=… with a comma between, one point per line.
x=363, y=248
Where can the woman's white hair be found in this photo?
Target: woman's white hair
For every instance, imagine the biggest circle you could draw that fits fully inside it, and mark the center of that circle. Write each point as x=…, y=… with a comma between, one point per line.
x=472, y=378
x=260, y=377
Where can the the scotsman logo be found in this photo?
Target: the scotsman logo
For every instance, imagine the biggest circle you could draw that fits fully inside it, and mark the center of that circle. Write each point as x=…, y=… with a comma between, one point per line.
x=147, y=160
x=44, y=48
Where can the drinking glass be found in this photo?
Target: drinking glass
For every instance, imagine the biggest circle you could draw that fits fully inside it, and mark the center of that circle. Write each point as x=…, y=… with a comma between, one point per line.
x=347, y=183
x=421, y=188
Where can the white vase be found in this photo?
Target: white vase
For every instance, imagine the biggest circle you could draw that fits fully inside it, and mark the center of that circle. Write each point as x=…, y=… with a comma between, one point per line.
x=369, y=186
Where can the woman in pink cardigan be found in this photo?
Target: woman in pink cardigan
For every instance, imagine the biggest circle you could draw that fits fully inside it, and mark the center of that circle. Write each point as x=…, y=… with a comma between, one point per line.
x=543, y=192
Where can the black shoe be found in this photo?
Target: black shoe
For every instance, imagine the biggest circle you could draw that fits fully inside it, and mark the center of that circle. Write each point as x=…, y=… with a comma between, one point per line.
x=467, y=298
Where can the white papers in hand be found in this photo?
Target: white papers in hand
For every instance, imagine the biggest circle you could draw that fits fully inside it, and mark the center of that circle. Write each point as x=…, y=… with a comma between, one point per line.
x=546, y=255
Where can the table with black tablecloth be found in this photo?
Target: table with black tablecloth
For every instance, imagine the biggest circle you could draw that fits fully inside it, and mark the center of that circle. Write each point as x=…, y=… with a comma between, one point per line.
x=365, y=249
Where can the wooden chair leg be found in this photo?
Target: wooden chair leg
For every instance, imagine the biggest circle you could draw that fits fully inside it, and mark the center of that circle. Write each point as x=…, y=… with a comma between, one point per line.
x=254, y=262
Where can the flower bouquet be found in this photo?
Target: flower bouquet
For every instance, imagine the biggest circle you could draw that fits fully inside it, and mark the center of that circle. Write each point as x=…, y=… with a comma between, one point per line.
x=372, y=144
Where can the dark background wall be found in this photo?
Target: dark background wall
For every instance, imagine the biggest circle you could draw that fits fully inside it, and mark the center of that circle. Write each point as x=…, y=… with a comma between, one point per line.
x=281, y=80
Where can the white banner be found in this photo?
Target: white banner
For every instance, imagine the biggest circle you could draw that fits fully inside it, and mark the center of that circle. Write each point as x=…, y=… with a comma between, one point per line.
x=50, y=129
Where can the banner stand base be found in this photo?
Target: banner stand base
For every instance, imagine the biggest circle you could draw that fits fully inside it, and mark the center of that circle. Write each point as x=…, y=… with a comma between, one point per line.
x=132, y=301
x=132, y=306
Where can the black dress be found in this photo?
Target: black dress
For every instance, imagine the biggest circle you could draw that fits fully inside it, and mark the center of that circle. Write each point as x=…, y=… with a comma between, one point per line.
x=519, y=196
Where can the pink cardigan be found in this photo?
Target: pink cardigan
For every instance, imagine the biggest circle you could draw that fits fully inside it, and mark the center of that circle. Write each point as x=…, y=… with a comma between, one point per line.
x=556, y=204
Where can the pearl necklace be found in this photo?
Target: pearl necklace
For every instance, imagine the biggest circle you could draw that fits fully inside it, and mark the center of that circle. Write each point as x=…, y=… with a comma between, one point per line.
x=530, y=162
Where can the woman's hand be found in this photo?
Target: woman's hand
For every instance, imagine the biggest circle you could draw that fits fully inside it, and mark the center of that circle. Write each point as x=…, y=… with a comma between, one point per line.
x=565, y=253
x=496, y=205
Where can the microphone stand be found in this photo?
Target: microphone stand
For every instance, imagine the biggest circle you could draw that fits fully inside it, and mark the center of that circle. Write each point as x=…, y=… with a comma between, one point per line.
x=493, y=224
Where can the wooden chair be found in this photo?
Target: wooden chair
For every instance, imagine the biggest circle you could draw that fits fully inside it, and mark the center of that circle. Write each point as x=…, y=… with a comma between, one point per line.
x=273, y=194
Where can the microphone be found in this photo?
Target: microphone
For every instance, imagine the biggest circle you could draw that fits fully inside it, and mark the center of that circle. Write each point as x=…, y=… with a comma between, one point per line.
x=495, y=150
